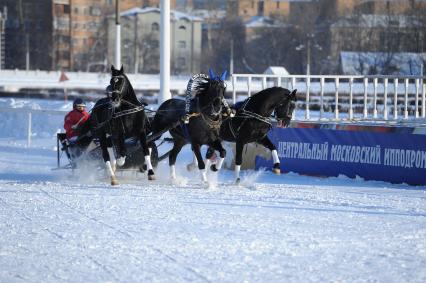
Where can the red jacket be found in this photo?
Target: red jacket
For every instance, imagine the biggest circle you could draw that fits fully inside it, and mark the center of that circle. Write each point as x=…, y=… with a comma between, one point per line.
x=77, y=119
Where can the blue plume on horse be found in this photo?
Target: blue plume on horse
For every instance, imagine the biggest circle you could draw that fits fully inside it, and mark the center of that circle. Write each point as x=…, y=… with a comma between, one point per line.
x=212, y=74
x=214, y=77
x=223, y=76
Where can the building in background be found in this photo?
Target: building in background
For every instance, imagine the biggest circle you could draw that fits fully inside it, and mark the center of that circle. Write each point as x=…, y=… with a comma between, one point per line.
x=87, y=33
x=28, y=34
x=140, y=37
x=61, y=41
x=247, y=9
x=60, y=34
x=128, y=4
x=3, y=17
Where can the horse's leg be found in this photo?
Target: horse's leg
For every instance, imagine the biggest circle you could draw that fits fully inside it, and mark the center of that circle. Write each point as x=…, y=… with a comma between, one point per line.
x=196, y=148
x=121, y=148
x=209, y=155
x=111, y=153
x=146, y=152
x=266, y=142
x=177, y=146
x=238, y=160
x=222, y=153
x=106, y=156
x=191, y=166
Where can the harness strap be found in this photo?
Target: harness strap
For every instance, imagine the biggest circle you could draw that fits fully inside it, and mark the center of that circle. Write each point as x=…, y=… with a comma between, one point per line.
x=232, y=129
x=243, y=113
x=127, y=112
x=249, y=114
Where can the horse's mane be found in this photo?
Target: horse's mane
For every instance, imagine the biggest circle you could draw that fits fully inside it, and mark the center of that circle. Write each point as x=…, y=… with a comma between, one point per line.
x=263, y=96
x=129, y=85
x=201, y=85
x=130, y=90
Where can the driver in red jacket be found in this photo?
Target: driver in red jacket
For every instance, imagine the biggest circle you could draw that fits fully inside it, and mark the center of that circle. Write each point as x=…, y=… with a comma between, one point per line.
x=75, y=119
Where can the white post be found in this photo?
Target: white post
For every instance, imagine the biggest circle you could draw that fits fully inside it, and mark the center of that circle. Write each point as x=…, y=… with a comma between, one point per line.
x=164, y=51
x=423, y=100
x=234, y=90
x=29, y=130
x=336, y=98
x=365, y=98
x=308, y=85
x=264, y=82
x=27, y=55
x=117, y=36
x=322, y=98
x=351, y=96
x=417, y=97
x=293, y=85
x=249, y=86
x=395, y=100
x=406, y=99
x=231, y=61
x=375, y=99
x=385, y=100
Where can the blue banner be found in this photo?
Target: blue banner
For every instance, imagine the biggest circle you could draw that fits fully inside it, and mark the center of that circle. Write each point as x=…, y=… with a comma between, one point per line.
x=391, y=157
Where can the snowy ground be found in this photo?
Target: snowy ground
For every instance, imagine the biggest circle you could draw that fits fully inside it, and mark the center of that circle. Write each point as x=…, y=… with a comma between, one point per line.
x=60, y=227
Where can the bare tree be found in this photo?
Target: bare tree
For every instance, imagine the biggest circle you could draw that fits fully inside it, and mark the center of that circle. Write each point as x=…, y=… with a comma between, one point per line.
x=219, y=56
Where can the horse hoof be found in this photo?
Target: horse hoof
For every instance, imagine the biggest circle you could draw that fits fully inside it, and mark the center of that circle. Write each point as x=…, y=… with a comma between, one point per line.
x=238, y=181
x=213, y=168
x=121, y=161
x=151, y=175
x=114, y=182
x=276, y=169
x=190, y=167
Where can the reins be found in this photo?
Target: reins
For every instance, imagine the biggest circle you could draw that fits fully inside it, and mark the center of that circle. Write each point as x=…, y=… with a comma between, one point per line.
x=245, y=114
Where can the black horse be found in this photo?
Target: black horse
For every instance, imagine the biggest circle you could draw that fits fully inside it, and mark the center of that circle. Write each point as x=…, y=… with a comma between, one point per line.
x=251, y=122
x=119, y=117
x=204, y=123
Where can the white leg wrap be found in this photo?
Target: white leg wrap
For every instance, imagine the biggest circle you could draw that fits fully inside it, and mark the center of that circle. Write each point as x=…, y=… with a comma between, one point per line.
x=207, y=162
x=275, y=156
x=109, y=169
x=92, y=145
x=237, y=171
x=148, y=162
x=173, y=172
x=219, y=163
x=150, y=151
x=121, y=161
x=204, y=175
x=112, y=157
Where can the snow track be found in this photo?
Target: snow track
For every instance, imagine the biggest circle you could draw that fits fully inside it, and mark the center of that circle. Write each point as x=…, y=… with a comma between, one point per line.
x=59, y=227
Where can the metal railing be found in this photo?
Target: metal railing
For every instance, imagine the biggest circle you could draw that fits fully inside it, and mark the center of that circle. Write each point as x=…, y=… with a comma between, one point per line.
x=361, y=97
x=378, y=102
x=29, y=115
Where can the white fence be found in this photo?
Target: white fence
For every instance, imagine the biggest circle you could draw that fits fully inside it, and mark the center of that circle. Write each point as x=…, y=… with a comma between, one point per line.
x=376, y=98
x=381, y=97
x=28, y=116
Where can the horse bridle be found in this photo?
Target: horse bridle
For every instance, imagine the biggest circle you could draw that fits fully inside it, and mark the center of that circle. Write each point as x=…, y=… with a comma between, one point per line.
x=288, y=114
x=120, y=91
x=134, y=109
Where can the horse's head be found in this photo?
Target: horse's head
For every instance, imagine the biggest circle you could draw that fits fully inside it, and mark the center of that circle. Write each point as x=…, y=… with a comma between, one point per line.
x=118, y=85
x=210, y=93
x=284, y=110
